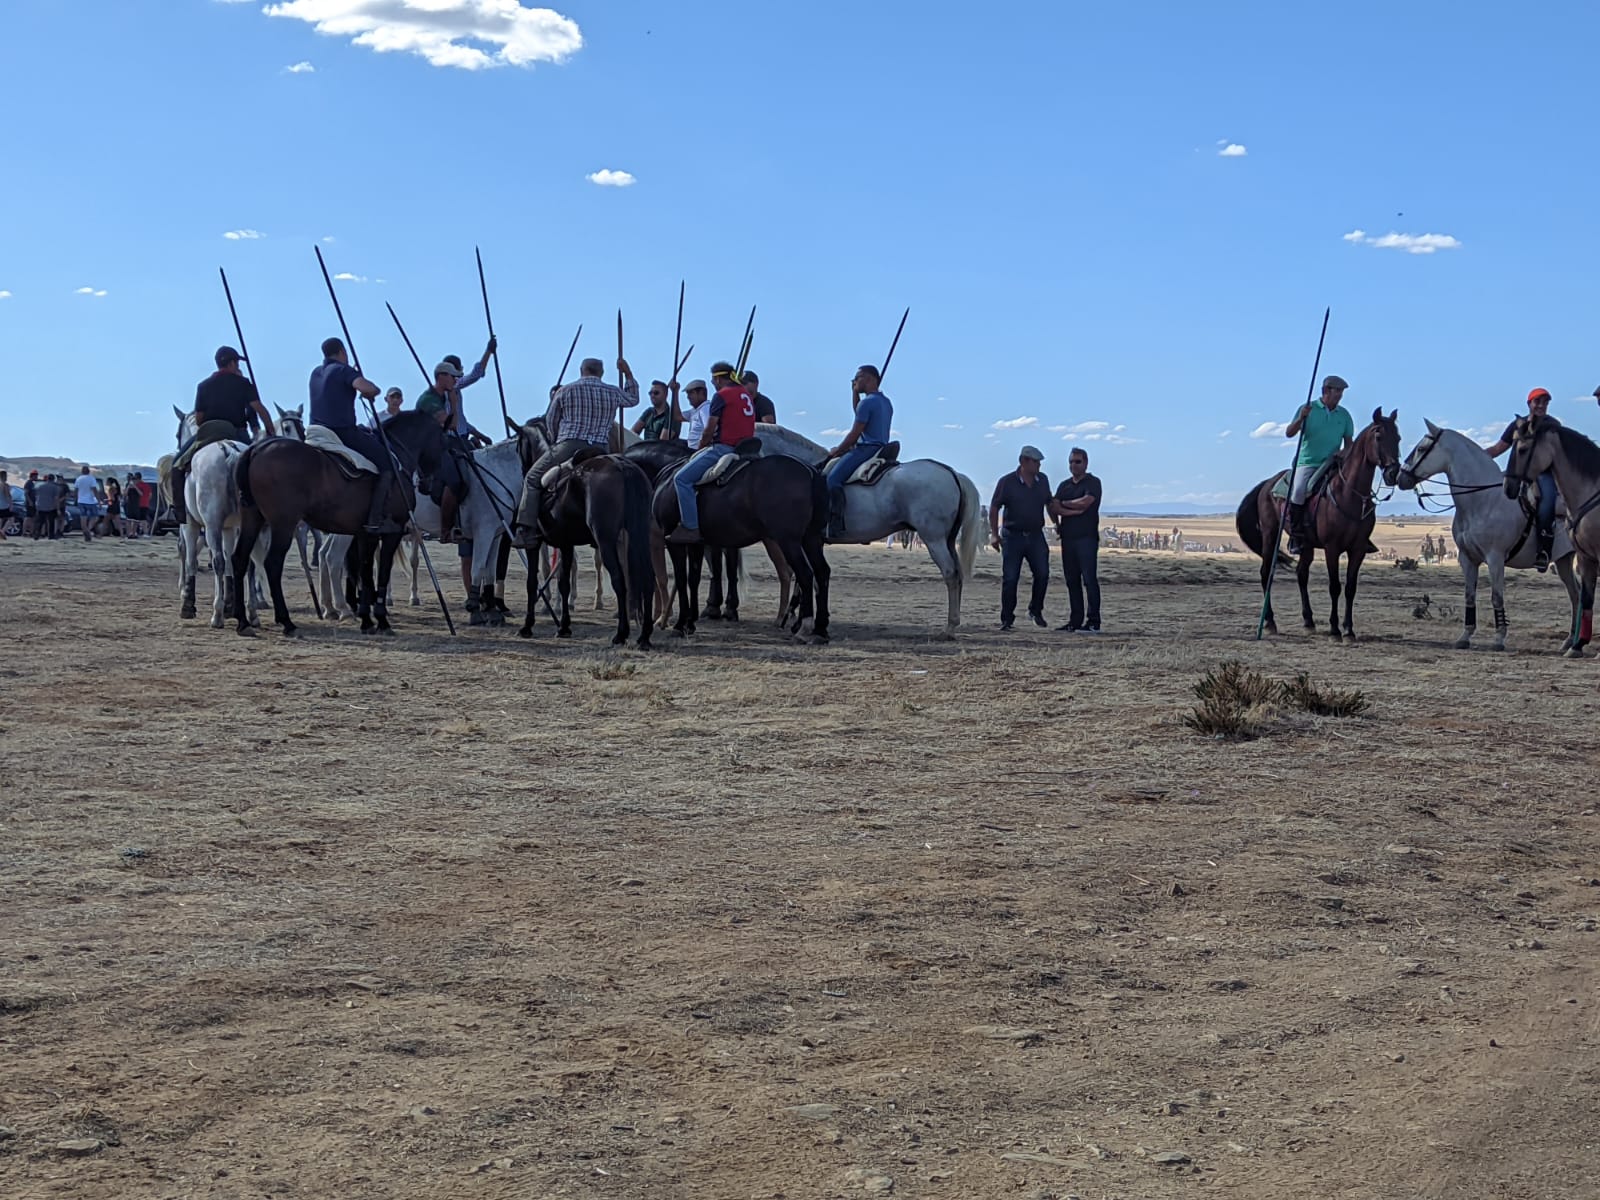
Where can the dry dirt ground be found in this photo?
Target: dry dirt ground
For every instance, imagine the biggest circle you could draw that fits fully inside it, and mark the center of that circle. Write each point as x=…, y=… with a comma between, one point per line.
x=737, y=918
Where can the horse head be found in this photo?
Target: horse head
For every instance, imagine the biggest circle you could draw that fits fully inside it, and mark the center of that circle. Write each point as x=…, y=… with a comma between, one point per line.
x=1383, y=450
x=291, y=422
x=418, y=440
x=187, y=426
x=1416, y=468
x=533, y=439
x=1531, y=452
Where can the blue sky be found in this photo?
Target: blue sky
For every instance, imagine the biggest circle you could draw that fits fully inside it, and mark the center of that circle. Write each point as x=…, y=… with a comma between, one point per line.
x=1044, y=184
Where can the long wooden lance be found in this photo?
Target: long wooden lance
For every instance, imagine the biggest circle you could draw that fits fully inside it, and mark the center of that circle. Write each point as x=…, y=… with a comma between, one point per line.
x=884, y=370
x=1277, y=535
x=499, y=382
x=383, y=437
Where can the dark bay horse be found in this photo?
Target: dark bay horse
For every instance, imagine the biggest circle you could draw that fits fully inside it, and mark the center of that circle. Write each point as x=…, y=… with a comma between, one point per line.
x=1340, y=519
x=283, y=482
x=1543, y=444
x=598, y=499
x=777, y=499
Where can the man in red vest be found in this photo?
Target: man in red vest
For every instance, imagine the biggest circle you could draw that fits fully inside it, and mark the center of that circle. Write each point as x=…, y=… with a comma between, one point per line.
x=732, y=420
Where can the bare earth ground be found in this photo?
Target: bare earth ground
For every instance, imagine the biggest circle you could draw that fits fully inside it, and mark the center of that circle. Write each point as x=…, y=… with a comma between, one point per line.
x=484, y=918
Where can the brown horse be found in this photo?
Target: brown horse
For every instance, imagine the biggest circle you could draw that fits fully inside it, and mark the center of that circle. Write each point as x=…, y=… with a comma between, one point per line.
x=1340, y=519
x=283, y=482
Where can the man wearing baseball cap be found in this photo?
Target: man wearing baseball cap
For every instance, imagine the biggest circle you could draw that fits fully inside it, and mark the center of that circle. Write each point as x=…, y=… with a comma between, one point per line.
x=1025, y=496
x=393, y=401
x=1329, y=429
x=226, y=407
x=1538, y=406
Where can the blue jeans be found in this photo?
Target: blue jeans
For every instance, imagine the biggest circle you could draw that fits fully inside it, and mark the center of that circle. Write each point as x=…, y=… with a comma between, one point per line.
x=1080, y=564
x=1547, y=502
x=849, y=463
x=688, y=475
x=1015, y=546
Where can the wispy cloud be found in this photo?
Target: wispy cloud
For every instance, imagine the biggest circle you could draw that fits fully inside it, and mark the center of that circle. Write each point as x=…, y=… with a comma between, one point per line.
x=1232, y=150
x=347, y=277
x=244, y=235
x=89, y=291
x=447, y=33
x=1017, y=423
x=301, y=68
x=610, y=178
x=4, y=295
x=800, y=412
x=1269, y=429
x=329, y=240
x=1226, y=433
x=1411, y=243
x=832, y=432
x=952, y=427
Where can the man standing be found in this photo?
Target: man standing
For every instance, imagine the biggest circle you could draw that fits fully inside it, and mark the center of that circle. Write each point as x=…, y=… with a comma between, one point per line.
x=766, y=411
x=1077, y=512
x=333, y=406
x=732, y=419
x=88, y=497
x=46, y=496
x=225, y=403
x=30, y=504
x=659, y=423
x=1328, y=430
x=874, y=417
x=5, y=504
x=1538, y=406
x=579, y=416
x=1024, y=496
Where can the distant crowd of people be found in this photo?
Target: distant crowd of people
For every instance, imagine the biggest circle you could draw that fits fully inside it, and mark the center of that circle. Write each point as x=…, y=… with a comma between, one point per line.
x=54, y=505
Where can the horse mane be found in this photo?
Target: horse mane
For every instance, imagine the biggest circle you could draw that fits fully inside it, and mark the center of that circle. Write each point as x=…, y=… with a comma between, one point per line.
x=782, y=433
x=1580, y=451
x=408, y=422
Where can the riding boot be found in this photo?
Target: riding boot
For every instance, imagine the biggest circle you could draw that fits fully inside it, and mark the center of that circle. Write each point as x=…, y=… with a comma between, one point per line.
x=1297, y=527
x=378, y=519
x=526, y=537
x=176, y=481
x=1547, y=541
x=449, y=506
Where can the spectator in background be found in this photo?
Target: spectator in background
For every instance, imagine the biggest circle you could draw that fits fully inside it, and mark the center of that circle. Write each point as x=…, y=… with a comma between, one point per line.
x=46, y=496
x=114, y=523
x=30, y=504
x=87, y=488
x=1078, y=525
x=1023, y=496
x=133, y=506
x=5, y=504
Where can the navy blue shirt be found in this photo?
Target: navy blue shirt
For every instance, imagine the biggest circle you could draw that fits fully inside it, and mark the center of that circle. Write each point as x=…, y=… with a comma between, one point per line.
x=333, y=395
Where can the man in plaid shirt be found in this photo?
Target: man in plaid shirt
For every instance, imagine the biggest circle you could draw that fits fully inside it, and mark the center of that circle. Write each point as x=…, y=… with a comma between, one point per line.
x=579, y=416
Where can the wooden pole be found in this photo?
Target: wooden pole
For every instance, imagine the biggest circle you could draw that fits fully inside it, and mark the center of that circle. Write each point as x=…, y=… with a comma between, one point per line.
x=499, y=382
x=884, y=370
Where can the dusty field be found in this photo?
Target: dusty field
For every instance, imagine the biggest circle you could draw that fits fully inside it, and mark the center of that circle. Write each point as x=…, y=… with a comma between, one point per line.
x=1401, y=534
x=480, y=918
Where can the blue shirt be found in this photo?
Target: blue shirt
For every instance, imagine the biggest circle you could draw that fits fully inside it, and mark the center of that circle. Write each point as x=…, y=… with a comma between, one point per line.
x=333, y=395
x=876, y=414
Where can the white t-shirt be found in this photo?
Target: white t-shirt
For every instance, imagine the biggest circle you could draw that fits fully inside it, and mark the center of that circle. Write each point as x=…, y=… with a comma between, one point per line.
x=698, y=418
x=86, y=489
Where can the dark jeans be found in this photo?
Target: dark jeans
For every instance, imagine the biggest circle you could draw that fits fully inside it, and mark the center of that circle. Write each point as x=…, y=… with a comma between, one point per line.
x=1080, y=565
x=1547, y=502
x=1015, y=546
x=528, y=504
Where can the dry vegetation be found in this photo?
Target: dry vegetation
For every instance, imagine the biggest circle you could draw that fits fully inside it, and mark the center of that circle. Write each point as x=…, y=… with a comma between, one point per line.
x=474, y=917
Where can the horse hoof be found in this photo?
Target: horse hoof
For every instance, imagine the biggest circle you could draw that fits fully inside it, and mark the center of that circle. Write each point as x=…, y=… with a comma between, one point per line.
x=218, y=622
x=731, y=615
x=1463, y=643
x=563, y=633
x=477, y=618
x=620, y=640
x=1335, y=635
x=1311, y=625
x=1574, y=652
x=386, y=631
x=245, y=631
x=1498, y=646
x=525, y=632
x=256, y=620
x=187, y=612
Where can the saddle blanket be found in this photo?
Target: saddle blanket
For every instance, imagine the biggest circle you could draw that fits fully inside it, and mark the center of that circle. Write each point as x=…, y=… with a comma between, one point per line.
x=326, y=439
x=874, y=469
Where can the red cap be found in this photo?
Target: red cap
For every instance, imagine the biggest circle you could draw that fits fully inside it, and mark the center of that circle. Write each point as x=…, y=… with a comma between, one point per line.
x=1538, y=394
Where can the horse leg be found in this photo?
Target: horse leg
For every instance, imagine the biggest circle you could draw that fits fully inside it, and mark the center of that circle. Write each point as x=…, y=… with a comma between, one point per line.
x=1266, y=591
x=733, y=560
x=713, y=608
x=1570, y=582
x=277, y=551
x=780, y=564
x=612, y=561
x=250, y=524
x=367, y=583
x=534, y=556
x=564, y=579
x=1586, y=578
x=805, y=584
x=815, y=551
x=222, y=543
x=191, y=567
x=388, y=547
x=415, y=599
x=1352, y=572
x=1302, y=576
x=680, y=587
x=1332, y=557
x=1497, y=595
x=1469, y=617
x=950, y=572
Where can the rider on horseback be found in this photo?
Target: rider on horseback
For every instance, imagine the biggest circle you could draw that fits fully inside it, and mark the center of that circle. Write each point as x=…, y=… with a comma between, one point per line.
x=579, y=416
x=1538, y=406
x=225, y=404
x=874, y=416
x=1328, y=430
x=333, y=406
x=730, y=420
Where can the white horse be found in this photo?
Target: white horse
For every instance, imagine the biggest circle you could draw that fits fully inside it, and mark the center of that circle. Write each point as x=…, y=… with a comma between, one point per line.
x=938, y=502
x=1488, y=527
x=494, y=481
x=212, y=501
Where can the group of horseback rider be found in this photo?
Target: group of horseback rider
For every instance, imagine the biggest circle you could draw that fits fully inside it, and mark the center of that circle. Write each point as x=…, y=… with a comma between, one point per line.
x=1329, y=430
x=580, y=415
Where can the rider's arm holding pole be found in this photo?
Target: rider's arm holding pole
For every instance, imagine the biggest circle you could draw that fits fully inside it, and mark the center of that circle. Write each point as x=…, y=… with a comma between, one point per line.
x=1293, y=428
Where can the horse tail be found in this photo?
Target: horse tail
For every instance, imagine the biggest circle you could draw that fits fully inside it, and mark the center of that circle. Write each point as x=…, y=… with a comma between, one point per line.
x=241, y=478
x=638, y=499
x=164, y=476
x=969, y=529
x=1248, y=519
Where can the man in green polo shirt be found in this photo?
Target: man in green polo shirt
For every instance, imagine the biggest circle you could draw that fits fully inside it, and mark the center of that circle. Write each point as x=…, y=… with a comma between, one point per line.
x=1328, y=429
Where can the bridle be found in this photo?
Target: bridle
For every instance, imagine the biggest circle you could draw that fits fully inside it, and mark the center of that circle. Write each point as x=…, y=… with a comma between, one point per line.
x=1525, y=476
x=1374, y=498
x=1419, y=454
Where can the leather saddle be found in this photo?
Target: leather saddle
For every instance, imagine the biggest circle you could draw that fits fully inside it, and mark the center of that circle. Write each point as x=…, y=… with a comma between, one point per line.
x=729, y=465
x=564, y=469
x=875, y=468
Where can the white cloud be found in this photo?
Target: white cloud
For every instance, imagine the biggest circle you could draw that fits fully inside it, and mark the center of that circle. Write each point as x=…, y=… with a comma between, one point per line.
x=328, y=241
x=610, y=178
x=1225, y=433
x=1232, y=150
x=1017, y=423
x=243, y=235
x=1056, y=428
x=832, y=432
x=991, y=435
x=1411, y=243
x=89, y=291
x=1269, y=429
x=443, y=31
x=4, y=295
x=301, y=68
x=947, y=426
x=800, y=413
x=346, y=277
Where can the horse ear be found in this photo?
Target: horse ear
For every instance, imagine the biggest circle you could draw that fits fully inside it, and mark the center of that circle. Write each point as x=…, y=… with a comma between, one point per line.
x=1394, y=414
x=1377, y=414
x=178, y=412
x=282, y=412
x=512, y=426
x=1432, y=428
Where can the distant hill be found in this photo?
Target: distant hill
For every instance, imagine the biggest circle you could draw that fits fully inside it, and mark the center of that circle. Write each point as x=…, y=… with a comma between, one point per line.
x=19, y=466
x=1167, y=510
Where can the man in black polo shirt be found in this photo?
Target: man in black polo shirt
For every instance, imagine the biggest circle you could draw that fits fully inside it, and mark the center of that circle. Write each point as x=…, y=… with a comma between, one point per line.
x=225, y=406
x=766, y=411
x=1024, y=495
x=1078, y=522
